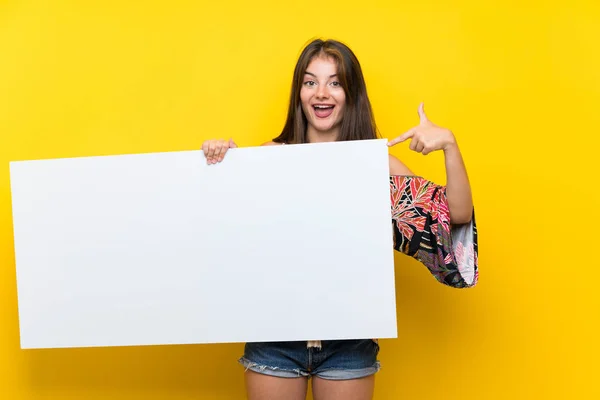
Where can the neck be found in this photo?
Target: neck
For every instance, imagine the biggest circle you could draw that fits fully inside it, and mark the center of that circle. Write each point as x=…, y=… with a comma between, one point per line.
x=314, y=136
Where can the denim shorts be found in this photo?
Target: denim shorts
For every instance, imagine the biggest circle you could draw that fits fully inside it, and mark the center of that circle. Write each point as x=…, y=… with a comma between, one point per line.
x=335, y=360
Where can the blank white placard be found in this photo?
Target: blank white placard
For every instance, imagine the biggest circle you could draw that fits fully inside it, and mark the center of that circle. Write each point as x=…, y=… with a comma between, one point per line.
x=275, y=243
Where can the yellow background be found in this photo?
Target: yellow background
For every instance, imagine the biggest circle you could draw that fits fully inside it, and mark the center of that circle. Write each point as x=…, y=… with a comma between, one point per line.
x=518, y=83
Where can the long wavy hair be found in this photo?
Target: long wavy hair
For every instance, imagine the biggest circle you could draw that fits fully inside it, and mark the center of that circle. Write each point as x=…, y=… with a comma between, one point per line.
x=358, y=122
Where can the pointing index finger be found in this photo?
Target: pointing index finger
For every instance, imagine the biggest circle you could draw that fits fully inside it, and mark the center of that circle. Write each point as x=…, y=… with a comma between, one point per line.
x=402, y=138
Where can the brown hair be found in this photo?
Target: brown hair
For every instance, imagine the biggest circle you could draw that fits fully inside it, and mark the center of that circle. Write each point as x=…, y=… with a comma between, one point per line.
x=358, y=122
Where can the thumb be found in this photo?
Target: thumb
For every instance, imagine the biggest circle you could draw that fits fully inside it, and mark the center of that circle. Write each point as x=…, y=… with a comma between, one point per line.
x=422, y=116
x=232, y=144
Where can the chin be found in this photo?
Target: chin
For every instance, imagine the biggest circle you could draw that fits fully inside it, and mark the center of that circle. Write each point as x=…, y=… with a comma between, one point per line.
x=324, y=129
x=324, y=126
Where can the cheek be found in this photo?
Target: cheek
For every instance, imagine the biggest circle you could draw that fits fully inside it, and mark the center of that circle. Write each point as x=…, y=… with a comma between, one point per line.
x=341, y=101
x=304, y=100
x=304, y=96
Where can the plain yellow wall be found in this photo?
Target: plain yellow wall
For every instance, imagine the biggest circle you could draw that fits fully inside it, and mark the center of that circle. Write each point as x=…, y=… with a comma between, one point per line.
x=518, y=82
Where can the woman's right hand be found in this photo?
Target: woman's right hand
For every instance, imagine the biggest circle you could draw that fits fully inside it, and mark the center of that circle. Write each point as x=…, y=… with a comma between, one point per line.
x=214, y=150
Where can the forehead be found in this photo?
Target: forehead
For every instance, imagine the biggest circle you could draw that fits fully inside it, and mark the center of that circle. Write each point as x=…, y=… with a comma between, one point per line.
x=322, y=65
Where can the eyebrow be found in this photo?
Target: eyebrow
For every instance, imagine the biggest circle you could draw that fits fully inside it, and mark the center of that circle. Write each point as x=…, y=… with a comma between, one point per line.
x=311, y=74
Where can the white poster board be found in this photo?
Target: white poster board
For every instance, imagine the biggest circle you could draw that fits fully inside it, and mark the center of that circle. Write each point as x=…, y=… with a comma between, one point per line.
x=275, y=243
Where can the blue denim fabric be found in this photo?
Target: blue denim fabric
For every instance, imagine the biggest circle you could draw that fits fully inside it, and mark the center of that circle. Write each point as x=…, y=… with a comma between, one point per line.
x=335, y=360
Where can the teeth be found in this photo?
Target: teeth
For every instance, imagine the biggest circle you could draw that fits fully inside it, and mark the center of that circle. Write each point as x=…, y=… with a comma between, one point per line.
x=323, y=107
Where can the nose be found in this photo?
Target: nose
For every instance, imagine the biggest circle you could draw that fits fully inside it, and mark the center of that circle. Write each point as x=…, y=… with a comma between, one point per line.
x=322, y=92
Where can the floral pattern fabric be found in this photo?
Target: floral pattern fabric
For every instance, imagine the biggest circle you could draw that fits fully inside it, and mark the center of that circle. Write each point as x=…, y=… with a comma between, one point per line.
x=422, y=230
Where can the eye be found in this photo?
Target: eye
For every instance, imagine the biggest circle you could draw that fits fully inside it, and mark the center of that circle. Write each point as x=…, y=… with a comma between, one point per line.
x=309, y=83
x=335, y=83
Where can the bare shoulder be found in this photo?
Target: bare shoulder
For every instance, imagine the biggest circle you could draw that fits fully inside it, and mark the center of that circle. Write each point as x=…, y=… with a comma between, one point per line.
x=397, y=167
x=271, y=144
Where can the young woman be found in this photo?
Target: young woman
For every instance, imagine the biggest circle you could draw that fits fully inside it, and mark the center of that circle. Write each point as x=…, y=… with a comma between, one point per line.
x=328, y=103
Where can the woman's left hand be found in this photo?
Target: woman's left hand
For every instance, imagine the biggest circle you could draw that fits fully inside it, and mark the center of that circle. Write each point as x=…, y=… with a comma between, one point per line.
x=426, y=137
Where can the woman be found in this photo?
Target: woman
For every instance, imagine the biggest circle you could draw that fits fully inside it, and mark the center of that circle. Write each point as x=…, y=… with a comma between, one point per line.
x=328, y=103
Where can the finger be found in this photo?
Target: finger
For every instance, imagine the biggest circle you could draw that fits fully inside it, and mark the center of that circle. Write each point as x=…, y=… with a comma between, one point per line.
x=212, y=148
x=221, y=149
x=427, y=150
x=205, y=149
x=414, y=143
x=422, y=116
x=226, y=146
x=218, y=150
x=419, y=147
x=221, y=154
x=406, y=135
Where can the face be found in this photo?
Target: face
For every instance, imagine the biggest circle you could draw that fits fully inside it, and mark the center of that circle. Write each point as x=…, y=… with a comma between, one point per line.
x=323, y=99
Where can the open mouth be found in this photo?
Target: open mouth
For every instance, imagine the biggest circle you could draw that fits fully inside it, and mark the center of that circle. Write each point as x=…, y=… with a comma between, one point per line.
x=323, y=110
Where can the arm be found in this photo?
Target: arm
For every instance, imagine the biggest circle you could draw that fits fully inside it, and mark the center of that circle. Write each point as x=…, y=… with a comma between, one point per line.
x=397, y=167
x=460, y=200
x=428, y=137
